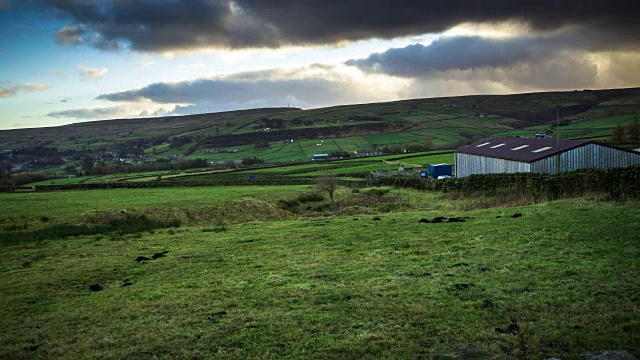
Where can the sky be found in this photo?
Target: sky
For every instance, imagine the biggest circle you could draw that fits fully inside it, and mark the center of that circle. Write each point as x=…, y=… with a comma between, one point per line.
x=68, y=61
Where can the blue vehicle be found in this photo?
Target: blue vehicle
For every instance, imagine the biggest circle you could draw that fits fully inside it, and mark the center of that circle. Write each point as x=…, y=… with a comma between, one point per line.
x=437, y=171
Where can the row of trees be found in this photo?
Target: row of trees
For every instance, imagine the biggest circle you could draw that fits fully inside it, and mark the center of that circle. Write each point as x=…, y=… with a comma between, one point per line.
x=21, y=179
x=89, y=167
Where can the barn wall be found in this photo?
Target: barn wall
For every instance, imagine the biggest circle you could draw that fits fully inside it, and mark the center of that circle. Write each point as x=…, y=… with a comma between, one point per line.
x=590, y=155
x=467, y=164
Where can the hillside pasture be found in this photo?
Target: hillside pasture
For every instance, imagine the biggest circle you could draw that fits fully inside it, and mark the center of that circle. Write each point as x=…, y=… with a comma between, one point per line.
x=597, y=129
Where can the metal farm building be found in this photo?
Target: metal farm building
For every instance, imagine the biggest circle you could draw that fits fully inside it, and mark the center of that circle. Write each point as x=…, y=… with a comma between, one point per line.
x=511, y=155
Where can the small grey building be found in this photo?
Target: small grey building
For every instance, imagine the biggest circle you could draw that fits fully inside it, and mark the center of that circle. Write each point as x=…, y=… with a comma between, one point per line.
x=511, y=155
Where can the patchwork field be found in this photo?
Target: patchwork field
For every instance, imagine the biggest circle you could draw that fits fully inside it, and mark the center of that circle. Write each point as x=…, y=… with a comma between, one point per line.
x=597, y=129
x=346, y=166
x=376, y=276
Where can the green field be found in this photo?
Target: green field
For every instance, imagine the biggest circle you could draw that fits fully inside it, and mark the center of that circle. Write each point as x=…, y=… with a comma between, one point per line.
x=81, y=206
x=345, y=166
x=245, y=278
x=597, y=129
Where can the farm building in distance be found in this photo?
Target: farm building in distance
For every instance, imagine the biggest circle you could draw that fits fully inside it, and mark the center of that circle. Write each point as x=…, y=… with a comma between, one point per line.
x=320, y=157
x=511, y=155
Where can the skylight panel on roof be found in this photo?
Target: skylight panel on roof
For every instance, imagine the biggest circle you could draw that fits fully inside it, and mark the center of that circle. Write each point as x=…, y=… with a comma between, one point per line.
x=497, y=146
x=482, y=144
x=520, y=147
x=542, y=149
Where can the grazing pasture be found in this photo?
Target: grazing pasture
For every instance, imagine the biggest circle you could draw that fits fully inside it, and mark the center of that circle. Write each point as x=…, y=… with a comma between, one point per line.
x=350, y=281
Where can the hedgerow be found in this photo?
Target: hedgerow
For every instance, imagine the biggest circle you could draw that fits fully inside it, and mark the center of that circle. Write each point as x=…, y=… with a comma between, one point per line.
x=165, y=184
x=14, y=188
x=618, y=183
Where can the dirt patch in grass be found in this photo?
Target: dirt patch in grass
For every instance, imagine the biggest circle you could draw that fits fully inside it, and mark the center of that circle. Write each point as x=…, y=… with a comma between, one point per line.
x=442, y=219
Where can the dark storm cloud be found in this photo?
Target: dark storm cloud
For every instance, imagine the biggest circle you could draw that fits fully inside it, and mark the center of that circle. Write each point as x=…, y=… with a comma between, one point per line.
x=159, y=25
x=5, y=4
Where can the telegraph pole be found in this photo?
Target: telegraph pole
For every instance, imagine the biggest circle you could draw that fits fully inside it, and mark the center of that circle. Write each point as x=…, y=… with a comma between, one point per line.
x=557, y=139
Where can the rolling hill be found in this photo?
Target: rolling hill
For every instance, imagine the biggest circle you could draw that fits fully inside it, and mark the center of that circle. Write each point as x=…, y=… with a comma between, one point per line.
x=286, y=134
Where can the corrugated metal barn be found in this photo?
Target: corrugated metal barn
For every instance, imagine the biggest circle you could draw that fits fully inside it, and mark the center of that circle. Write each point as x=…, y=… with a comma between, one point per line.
x=510, y=155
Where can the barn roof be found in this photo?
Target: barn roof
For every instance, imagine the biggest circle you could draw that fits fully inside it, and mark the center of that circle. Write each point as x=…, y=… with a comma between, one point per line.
x=521, y=149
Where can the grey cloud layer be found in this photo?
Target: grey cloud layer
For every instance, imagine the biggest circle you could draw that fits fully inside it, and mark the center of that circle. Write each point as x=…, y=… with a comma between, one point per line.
x=456, y=53
x=225, y=91
x=244, y=90
x=555, y=60
x=159, y=25
x=71, y=35
x=91, y=113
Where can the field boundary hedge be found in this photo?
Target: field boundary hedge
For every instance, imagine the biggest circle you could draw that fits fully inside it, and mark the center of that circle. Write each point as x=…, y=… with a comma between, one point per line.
x=169, y=184
x=14, y=188
x=616, y=182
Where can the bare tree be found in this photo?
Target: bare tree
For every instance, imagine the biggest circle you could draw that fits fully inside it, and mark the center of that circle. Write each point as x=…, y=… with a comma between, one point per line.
x=633, y=130
x=428, y=142
x=328, y=182
x=617, y=134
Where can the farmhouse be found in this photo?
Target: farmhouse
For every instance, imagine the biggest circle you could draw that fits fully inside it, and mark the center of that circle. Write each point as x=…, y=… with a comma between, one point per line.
x=511, y=155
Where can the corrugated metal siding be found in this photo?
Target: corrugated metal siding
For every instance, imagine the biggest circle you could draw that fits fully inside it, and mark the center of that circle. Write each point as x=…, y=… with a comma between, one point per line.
x=467, y=164
x=590, y=155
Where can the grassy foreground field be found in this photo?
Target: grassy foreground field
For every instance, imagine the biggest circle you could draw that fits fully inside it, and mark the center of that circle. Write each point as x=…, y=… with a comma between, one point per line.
x=316, y=285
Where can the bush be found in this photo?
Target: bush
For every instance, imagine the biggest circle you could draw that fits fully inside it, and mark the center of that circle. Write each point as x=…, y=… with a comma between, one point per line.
x=310, y=196
x=8, y=181
x=377, y=192
x=287, y=204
